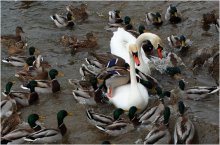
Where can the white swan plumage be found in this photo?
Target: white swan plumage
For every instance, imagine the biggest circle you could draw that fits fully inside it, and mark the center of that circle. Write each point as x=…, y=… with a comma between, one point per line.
x=119, y=45
x=133, y=94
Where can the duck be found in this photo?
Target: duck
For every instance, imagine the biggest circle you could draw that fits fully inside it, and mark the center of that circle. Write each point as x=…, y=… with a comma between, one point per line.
x=120, y=42
x=114, y=18
x=47, y=86
x=14, y=122
x=8, y=40
x=186, y=135
x=169, y=60
x=19, y=60
x=141, y=30
x=68, y=40
x=153, y=18
x=160, y=133
x=90, y=42
x=117, y=128
x=17, y=48
x=17, y=136
x=24, y=99
x=50, y=135
x=61, y=21
x=8, y=107
x=79, y=14
x=172, y=15
x=195, y=93
x=8, y=124
x=87, y=92
x=132, y=94
x=179, y=43
x=150, y=116
x=33, y=69
x=107, y=60
x=101, y=119
x=209, y=19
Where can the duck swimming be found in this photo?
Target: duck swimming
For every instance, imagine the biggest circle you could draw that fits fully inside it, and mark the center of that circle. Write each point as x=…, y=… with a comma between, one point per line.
x=173, y=15
x=153, y=18
x=79, y=14
x=61, y=21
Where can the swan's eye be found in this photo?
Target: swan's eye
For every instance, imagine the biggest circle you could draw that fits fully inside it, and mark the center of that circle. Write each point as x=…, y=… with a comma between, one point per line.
x=135, y=54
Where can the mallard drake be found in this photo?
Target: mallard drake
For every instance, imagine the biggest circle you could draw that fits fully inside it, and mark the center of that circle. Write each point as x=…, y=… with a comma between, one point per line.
x=179, y=42
x=118, y=127
x=91, y=42
x=17, y=135
x=9, y=124
x=87, y=92
x=12, y=39
x=17, y=48
x=173, y=15
x=47, y=86
x=101, y=119
x=33, y=70
x=114, y=18
x=153, y=18
x=50, y=135
x=148, y=117
x=68, y=40
x=79, y=14
x=18, y=60
x=25, y=98
x=8, y=107
x=160, y=133
x=186, y=135
x=141, y=30
x=61, y=21
x=195, y=93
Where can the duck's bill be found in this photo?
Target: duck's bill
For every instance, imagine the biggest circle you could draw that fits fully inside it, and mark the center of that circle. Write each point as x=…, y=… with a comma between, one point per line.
x=60, y=74
x=70, y=114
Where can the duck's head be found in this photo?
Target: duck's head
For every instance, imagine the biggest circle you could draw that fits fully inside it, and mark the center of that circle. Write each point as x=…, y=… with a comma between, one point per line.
x=8, y=87
x=181, y=107
x=158, y=17
x=132, y=111
x=117, y=113
x=133, y=50
x=32, y=119
x=173, y=11
x=70, y=17
x=61, y=115
x=141, y=29
x=53, y=73
x=183, y=40
x=173, y=71
x=127, y=20
x=31, y=85
x=19, y=30
x=31, y=50
x=181, y=85
x=166, y=115
x=90, y=36
x=29, y=62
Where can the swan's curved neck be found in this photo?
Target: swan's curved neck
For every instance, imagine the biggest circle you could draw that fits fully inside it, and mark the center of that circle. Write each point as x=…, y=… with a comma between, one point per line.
x=132, y=71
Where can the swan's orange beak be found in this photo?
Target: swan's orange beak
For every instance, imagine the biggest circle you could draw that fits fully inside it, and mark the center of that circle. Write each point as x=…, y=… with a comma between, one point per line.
x=136, y=59
x=159, y=52
x=109, y=91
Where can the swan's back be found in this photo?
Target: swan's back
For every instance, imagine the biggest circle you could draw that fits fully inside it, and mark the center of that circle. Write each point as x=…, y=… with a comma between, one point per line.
x=125, y=97
x=119, y=43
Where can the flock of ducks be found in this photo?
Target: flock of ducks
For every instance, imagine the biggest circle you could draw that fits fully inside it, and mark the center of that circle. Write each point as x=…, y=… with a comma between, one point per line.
x=122, y=77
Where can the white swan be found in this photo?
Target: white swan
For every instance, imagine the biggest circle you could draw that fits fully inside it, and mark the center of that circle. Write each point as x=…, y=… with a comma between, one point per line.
x=120, y=42
x=133, y=94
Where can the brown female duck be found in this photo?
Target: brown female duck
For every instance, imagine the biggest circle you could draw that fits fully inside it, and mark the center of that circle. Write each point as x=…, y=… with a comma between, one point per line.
x=80, y=14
